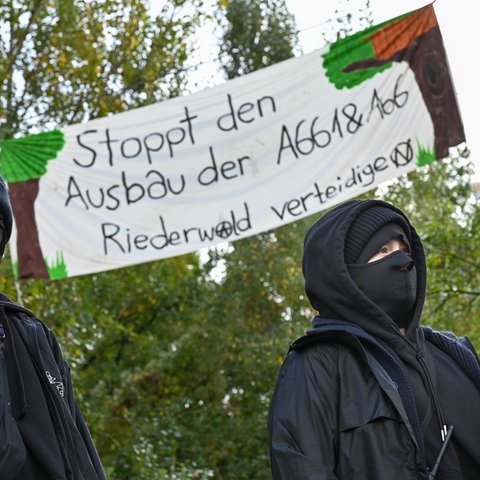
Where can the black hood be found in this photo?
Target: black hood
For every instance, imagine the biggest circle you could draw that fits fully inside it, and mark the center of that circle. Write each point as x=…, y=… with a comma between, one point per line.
x=6, y=216
x=328, y=284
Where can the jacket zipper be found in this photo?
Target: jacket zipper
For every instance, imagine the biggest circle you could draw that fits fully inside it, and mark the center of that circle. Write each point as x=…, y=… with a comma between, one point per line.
x=445, y=433
x=441, y=418
x=421, y=360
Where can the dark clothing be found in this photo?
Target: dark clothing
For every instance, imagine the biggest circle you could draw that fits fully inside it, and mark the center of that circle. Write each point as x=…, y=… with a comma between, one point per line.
x=56, y=437
x=357, y=399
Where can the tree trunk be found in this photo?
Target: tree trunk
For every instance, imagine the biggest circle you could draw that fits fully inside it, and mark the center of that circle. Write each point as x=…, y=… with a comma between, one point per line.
x=30, y=258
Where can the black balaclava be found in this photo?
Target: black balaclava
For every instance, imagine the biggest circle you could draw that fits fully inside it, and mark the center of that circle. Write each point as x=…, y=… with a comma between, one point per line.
x=391, y=282
x=6, y=216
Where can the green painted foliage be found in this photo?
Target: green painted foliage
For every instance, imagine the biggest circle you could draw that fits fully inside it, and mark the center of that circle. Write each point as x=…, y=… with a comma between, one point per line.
x=425, y=156
x=346, y=51
x=26, y=157
x=57, y=269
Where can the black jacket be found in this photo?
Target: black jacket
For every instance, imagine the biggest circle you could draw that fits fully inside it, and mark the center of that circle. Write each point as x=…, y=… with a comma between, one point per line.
x=56, y=437
x=357, y=399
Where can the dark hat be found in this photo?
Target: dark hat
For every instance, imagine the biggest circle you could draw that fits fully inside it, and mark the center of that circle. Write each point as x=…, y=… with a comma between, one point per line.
x=6, y=216
x=358, y=245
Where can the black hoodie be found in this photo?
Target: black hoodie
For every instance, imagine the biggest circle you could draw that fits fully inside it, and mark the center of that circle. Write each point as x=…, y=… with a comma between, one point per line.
x=56, y=437
x=439, y=384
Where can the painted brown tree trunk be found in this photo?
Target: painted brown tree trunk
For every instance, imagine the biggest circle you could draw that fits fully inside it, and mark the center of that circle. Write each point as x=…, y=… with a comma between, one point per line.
x=30, y=258
x=430, y=65
x=428, y=60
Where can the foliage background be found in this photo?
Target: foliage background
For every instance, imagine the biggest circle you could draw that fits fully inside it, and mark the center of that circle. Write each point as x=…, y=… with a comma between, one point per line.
x=174, y=363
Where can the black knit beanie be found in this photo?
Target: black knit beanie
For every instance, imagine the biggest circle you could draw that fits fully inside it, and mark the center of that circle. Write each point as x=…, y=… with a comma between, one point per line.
x=6, y=216
x=366, y=225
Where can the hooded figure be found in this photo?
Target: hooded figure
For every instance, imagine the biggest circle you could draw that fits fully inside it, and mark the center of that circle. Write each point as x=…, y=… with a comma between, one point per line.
x=43, y=435
x=368, y=393
x=6, y=216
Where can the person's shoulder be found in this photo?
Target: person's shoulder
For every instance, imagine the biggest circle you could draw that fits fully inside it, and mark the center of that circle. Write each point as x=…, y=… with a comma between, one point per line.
x=331, y=347
x=326, y=340
x=11, y=307
x=323, y=360
x=24, y=319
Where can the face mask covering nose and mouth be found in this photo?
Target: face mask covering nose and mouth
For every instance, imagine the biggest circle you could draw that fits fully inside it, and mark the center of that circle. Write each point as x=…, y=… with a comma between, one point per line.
x=391, y=283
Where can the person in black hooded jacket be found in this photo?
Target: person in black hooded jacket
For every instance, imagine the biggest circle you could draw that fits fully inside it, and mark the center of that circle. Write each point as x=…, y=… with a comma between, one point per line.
x=369, y=393
x=43, y=435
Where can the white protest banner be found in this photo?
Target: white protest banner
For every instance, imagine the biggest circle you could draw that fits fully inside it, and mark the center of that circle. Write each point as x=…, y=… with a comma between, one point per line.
x=229, y=162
